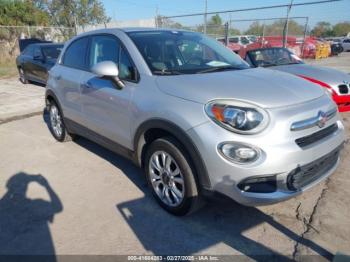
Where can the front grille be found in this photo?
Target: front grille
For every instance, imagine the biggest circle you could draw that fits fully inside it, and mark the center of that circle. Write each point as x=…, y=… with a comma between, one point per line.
x=343, y=89
x=315, y=137
x=304, y=175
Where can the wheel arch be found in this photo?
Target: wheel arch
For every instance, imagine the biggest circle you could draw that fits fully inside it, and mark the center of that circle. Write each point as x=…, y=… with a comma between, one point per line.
x=50, y=96
x=156, y=128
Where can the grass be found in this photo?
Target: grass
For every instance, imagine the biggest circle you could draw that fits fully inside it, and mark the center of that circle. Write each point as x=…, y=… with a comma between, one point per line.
x=8, y=69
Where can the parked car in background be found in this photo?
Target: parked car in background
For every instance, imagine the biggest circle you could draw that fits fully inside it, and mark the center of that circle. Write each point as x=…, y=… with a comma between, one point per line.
x=36, y=60
x=194, y=116
x=336, y=48
x=237, y=48
x=346, y=44
x=282, y=59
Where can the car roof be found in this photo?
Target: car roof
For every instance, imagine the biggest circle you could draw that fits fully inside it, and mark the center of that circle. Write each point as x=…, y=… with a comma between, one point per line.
x=46, y=44
x=131, y=29
x=148, y=29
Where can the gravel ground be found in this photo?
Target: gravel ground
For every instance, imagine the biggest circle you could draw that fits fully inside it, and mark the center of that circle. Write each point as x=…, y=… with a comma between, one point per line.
x=87, y=200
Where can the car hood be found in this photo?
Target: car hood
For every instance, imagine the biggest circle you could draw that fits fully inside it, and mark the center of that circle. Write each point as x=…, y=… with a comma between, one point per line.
x=329, y=76
x=262, y=87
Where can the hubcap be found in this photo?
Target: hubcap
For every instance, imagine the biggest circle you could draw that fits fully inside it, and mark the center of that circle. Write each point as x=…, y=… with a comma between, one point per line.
x=166, y=178
x=21, y=74
x=56, y=121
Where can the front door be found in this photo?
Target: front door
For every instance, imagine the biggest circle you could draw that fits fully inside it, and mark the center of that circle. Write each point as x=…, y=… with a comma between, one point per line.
x=106, y=106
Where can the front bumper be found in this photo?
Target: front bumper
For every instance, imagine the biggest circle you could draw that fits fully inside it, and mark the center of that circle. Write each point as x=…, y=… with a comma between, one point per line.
x=280, y=154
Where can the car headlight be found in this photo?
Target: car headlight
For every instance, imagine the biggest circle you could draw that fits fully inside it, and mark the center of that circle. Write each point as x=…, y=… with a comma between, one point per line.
x=237, y=116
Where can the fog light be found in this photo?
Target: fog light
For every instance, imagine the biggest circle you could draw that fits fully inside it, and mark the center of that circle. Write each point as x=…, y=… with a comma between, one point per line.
x=259, y=184
x=239, y=153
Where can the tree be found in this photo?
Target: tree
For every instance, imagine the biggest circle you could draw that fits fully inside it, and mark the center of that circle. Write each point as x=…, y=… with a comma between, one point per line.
x=168, y=23
x=215, y=27
x=17, y=13
x=276, y=28
x=72, y=13
x=215, y=20
x=341, y=29
x=322, y=29
x=255, y=29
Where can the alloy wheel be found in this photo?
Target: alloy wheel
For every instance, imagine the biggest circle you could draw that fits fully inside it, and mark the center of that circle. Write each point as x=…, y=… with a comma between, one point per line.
x=166, y=178
x=56, y=121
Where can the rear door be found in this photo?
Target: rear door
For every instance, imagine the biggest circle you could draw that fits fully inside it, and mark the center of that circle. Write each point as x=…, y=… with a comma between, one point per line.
x=67, y=75
x=26, y=59
x=37, y=66
x=106, y=106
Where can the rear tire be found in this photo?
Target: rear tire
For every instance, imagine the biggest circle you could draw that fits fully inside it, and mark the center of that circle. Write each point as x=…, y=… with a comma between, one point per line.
x=56, y=124
x=170, y=176
x=22, y=76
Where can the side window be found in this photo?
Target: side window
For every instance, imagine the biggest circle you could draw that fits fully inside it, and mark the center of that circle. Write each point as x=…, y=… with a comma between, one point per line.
x=126, y=68
x=29, y=51
x=107, y=48
x=75, y=54
x=37, y=52
x=103, y=48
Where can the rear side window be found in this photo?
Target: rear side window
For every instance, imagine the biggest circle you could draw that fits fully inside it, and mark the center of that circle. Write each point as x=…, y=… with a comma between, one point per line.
x=76, y=53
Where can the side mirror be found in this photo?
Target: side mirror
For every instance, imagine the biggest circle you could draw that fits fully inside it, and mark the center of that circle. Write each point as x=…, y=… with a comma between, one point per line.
x=38, y=58
x=110, y=70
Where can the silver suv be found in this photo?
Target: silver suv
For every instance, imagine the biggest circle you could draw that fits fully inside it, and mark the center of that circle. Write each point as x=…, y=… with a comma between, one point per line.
x=194, y=116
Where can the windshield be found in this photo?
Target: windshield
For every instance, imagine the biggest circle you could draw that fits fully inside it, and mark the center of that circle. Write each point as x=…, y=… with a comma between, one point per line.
x=178, y=52
x=252, y=38
x=52, y=52
x=273, y=57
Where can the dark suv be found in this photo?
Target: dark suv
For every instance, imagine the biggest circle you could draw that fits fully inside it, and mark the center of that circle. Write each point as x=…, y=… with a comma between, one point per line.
x=36, y=60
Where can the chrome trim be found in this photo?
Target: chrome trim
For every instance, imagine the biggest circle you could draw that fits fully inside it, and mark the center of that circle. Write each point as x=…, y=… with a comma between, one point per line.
x=319, y=120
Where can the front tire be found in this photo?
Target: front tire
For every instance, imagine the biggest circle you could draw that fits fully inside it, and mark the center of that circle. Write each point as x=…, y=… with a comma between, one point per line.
x=56, y=124
x=171, y=177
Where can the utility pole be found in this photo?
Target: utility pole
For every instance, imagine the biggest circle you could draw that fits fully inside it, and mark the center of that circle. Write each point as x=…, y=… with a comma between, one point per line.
x=285, y=30
x=205, y=16
x=305, y=32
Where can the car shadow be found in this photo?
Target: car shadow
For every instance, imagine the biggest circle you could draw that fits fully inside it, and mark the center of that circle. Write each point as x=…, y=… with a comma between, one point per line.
x=220, y=221
x=24, y=222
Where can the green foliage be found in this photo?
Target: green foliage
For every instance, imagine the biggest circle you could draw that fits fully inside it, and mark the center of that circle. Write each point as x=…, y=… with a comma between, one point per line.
x=325, y=29
x=255, y=29
x=322, y=29
x=69, y=13
x=215, y=20
x=276, y=28
x=341, y=29
x=234, y=31
x=18, y=13
x=63, y=13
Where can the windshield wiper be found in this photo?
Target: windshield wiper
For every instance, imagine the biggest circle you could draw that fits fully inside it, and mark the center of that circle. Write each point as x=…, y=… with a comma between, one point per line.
x=219, y=69
x=166, y=72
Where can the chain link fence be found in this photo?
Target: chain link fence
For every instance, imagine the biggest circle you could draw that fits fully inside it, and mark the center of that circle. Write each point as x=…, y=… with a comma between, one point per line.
x=9, y=36
x=241, y=35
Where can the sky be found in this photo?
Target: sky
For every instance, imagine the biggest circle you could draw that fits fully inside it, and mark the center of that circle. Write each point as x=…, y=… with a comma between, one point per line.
x=142, y=9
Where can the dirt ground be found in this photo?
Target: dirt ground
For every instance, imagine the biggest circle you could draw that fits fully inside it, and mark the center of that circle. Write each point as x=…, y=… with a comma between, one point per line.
x=78, y=198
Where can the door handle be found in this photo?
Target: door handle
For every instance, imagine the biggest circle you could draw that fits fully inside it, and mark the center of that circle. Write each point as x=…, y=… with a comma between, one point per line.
x=58, y=77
